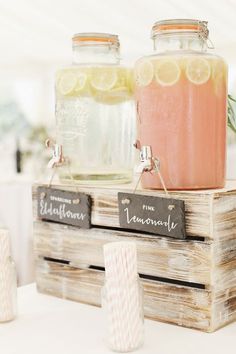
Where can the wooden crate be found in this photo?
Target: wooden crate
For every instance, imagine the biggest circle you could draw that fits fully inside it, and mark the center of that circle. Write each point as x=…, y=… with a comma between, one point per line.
x=189, y=282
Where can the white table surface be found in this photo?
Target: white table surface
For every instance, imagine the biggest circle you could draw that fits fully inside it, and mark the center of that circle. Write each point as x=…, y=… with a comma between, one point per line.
x=47, y=325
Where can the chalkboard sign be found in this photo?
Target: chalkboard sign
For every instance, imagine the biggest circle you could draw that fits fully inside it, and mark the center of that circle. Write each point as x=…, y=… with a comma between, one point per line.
x=156, y=215
x=65, y=207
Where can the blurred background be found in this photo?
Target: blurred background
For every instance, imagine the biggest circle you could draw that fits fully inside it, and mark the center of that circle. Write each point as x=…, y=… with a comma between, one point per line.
x=35, y=40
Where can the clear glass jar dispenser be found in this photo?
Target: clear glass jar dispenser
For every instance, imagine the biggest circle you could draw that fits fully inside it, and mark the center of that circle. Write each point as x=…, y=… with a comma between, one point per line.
x=181, y=96
x=95, y=113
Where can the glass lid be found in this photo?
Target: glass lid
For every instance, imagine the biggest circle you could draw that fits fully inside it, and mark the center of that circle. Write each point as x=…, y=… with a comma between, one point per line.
x=180, y=26
x=95, y=38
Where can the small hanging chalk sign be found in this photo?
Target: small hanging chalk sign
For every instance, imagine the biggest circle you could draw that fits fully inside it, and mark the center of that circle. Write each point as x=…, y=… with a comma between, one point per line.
x=156, y=215
x=65, y=207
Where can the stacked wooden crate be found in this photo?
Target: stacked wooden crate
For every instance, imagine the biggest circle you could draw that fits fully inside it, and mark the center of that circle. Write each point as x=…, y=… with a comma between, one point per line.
x=188, y=282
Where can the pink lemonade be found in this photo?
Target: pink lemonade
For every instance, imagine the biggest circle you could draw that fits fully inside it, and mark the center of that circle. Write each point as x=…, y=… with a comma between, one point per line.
x=185, y=124
x=181, y=100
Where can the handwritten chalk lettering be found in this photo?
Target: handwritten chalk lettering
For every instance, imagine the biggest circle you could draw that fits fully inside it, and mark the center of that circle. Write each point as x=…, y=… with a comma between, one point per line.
x=152, y=214
x=61, y=211
x=64, y=207
x=170, y=225
x=148, y=207
x=61, y=200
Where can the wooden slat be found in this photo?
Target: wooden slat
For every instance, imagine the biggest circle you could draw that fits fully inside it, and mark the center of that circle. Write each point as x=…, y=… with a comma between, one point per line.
x=210, y=261
x=209, y=214
x=105, y=207
x=188, y=261
x=175, y=304
x=162, y=302
x=224, y=223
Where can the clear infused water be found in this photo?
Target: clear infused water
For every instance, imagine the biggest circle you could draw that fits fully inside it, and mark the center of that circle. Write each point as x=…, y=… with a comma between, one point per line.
x=96, y=123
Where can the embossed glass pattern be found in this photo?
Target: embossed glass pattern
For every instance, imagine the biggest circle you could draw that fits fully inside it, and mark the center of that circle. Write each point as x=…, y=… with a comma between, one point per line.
x=95, y=112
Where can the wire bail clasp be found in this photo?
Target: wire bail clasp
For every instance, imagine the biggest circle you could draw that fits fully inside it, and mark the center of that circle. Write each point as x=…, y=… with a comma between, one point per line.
x=204, y=34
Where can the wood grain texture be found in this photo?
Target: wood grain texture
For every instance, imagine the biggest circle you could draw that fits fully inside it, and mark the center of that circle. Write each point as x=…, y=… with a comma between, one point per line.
x=165, y=302
x=210, y=263
x=209, y=213
x=105, y=207
x=207, y=257
x=157, y=256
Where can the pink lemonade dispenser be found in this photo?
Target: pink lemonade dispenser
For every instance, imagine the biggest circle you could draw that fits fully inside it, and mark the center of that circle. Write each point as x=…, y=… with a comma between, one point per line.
x=181, y=96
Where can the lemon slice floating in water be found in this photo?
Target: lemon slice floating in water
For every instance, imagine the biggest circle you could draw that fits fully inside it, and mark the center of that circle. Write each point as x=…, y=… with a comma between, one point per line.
x=167, y=72
x=81, y=78
x=67, y=83
x=198, y=71
x=103, y=79
x=143, y=73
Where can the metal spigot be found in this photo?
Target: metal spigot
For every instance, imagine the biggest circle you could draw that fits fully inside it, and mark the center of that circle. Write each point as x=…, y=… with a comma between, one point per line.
x=57, y=154
x=145, y=156
x=148, y=162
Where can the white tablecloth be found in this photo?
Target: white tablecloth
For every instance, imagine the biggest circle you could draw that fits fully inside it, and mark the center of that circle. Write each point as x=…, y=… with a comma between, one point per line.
x=49, y=325
x=16, y=215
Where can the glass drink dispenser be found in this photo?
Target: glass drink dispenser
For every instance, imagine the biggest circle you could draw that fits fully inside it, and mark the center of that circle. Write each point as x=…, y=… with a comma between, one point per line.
x=95, y=113
x=181, y=95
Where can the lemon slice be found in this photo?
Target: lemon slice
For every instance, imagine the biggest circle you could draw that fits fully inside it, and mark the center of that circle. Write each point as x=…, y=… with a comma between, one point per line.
x=143, y=73
x=219, y=76
x=81, y=81
x=121, y=77
x=67, y=83
x=131, y=81
x=198, y=71
x=219, y=69
x=116, y=95
x=103, y=79
x=167, y=72
x=120, y=91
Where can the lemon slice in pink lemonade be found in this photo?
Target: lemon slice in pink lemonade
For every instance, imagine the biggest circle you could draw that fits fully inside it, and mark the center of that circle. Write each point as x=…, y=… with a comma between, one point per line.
x=219, y=75
x=218, y=68
x=198, y=70
x=67, y=83
x=143, y=73
x=167, y=71
x=103, y=79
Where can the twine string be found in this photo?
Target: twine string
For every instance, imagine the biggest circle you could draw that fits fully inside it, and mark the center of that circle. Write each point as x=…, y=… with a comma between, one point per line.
x=154, y=168
x=158, y=171
x=52, y=176
x=139, y=179
x=71, y=175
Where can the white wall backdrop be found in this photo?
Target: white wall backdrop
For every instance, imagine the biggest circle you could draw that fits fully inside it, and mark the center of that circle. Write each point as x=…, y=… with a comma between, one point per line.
x=40, y=30
x=35, y=38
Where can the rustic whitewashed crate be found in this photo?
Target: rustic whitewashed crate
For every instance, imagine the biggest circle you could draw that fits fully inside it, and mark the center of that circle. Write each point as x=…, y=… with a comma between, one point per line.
x=189, y=282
